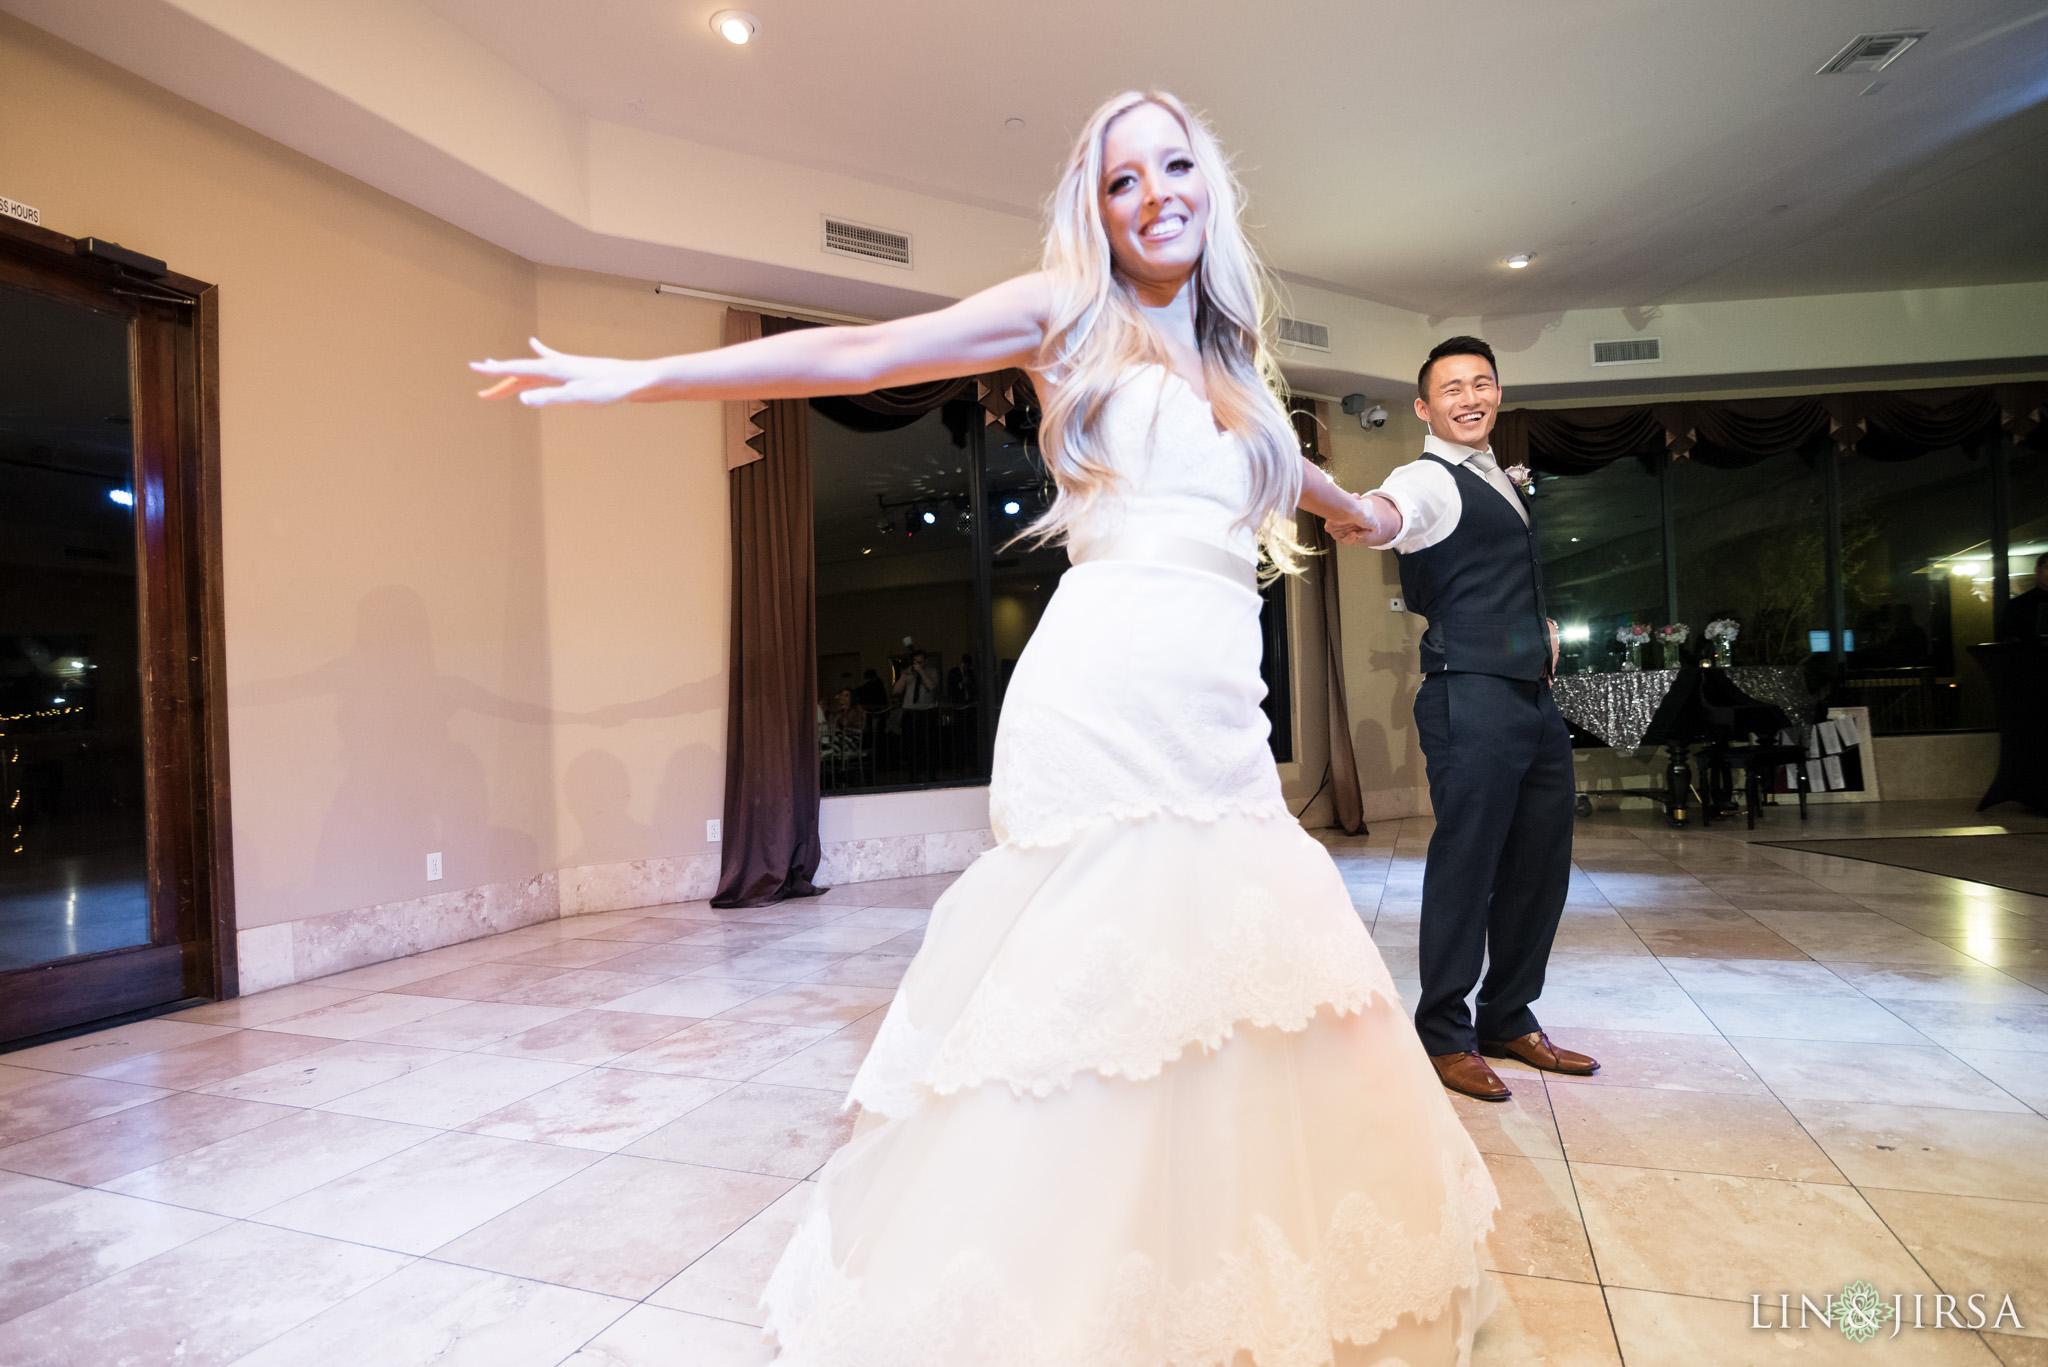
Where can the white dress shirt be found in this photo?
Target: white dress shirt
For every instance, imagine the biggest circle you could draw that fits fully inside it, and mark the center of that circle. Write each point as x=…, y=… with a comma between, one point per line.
x=1428, y=497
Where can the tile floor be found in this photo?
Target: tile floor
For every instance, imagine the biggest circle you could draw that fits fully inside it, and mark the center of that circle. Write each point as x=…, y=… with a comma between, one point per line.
x=585, y=1142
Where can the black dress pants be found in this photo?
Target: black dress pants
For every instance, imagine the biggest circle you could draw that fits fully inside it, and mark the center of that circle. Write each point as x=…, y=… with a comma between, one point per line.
x=1500, y=780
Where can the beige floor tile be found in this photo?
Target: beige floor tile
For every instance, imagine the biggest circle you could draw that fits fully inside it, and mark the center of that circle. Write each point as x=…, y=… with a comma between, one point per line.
x=621, y=1227
x=1778, y=977
x=432, y=1314
x=649, y=930
x=1641, y=1127
x=814, y=1005
x=361, y=1017
x=732, y=1050
x=670, y=961
x=192, y=1066
x=471, y=1025
x=1936, y=982
x=583, y=988
x=1704, y=1234
x=1626, y=1007
x=1977, y=1025
x=1543, y=1323
x=333, y=1072
x=1858, y=937
x=1537, y=1231
x=385, y=976
x=909, y=942
x=845, y=938
x=864, y=970
x=570, y=954
x=898, y=918
x=1662, y=1330
x=102, y=1048
x=603, y=1109
x=59, y=1101
x=421, y=1198
x=1855, y=1020
x=478, y=982
x=696, y=998
x=1972, y=1244
x=100, y=1150
x=265, y=1008
x=726, y=1283
x=775, y=964
x=1522, y=1126
x=454, y=1091
x=13, y=1079
x=258, y=1168
x=55, y=1248
x=2020, y=1072
x=20, y=1192
x=589, y=1037
x=1922, y=1148
x=1640, y=1058
x=648, y=1336
x=1926, y=1075
x=204, y=1304
x=830, y=1064
x=738, y=939
x=779, y=1131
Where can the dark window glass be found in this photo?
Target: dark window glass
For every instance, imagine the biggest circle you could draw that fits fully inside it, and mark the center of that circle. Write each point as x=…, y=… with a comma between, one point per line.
x=71, y=767
x=1752, y=546
x=1602, y=539
x=1917, y=582
x=2027, y=478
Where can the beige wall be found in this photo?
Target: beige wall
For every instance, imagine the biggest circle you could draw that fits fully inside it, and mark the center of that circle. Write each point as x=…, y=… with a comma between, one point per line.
x=451, y=627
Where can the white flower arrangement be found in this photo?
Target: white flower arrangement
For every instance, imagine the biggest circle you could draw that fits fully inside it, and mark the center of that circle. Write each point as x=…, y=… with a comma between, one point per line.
x=1634, y=634
x=1677, y=634
x=1519, y=476
x=1723, y=629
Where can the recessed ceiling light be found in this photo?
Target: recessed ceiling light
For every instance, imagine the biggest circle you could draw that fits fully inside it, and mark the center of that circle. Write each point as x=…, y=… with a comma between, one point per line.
x=735, y=26
x=1518, y=261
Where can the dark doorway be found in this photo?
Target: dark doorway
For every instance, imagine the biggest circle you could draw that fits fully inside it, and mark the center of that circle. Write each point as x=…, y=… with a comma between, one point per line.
x=113, y=802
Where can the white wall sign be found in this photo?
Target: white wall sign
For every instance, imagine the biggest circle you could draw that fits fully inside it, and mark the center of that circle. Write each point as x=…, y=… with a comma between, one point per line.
x=26, y=213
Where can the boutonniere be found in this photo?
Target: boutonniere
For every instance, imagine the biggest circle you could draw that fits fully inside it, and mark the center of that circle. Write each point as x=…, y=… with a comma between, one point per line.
x=1518, y=475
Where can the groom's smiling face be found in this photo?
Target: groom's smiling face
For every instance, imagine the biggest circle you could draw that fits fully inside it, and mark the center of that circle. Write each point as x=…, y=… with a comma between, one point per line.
x=1463, y=399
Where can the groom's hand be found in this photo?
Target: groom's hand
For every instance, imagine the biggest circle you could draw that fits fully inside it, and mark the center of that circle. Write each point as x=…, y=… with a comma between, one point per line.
x=1552, y=621
x=1368, y=519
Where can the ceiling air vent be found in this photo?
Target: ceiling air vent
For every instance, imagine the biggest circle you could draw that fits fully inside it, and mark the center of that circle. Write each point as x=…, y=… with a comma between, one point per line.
x=1869, y=52
x=1634, y=351
x=1309, y=336
x=843, y=238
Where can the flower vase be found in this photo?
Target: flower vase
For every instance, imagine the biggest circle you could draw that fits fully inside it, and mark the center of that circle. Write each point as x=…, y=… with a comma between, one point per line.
x=1724, y=655
x=1634, y=664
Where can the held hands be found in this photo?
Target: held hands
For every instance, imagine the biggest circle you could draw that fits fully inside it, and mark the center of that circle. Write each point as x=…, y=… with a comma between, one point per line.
x=1357, y=523
x=553, y=377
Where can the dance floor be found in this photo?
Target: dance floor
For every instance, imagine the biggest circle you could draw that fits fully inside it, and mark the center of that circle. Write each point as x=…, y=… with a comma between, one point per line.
x=585, y=1142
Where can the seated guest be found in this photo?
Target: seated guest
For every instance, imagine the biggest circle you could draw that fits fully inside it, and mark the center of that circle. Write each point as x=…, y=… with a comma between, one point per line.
x=2026, y=616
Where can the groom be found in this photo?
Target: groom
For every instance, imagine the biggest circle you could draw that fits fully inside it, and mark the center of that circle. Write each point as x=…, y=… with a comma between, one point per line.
x=1499, y=759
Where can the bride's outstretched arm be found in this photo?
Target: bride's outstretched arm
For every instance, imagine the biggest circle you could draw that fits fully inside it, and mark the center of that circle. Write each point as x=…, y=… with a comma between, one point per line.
x=1001, y=326
x=1351, y=518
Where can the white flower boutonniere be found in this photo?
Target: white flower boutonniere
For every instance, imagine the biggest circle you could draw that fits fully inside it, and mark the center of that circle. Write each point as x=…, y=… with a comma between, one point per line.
x=1519, y=476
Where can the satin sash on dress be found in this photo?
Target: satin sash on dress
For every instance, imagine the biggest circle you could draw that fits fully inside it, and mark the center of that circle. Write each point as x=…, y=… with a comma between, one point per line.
x=1185, y=552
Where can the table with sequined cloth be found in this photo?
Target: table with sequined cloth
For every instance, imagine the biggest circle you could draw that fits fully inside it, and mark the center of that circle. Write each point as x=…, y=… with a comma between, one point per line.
x=1618, y=708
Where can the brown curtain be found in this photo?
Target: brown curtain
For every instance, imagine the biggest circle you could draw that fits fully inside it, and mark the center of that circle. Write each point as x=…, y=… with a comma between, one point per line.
x=771, y=851
x=1885, y=424
x=1310, y=424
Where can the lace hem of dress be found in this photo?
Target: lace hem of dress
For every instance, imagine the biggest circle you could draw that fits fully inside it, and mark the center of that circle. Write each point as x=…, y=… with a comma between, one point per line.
x=1122, y=1013
x=1285, y=1311
x=1047, y=832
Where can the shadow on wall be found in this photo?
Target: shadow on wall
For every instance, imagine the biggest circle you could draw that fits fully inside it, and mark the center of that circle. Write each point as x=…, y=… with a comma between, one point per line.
x=407, y=787
x=1374, y=741
x=598, y=790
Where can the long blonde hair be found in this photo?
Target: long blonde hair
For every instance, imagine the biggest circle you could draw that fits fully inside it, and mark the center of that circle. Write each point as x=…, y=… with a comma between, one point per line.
x=1095, y=334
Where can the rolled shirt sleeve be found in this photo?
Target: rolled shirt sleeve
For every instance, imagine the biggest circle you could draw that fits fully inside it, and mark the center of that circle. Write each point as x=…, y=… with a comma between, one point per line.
x=1428, y=499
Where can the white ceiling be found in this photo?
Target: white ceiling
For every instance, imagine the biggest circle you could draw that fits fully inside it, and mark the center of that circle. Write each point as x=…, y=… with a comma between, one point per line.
x=1644, y=152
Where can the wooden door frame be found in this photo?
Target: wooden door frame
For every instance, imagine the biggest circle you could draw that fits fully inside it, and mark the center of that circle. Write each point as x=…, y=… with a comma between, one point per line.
x=174, y=346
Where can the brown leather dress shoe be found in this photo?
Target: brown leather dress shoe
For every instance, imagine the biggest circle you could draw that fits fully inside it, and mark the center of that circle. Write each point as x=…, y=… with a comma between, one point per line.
x=1467, y=1073
x=1536, y=1050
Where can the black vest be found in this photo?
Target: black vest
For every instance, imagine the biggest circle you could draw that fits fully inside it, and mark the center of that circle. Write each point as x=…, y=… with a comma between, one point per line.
x=1481, y=588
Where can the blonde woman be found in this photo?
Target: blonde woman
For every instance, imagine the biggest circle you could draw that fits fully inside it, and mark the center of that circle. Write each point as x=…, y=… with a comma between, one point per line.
x=1147, y=1095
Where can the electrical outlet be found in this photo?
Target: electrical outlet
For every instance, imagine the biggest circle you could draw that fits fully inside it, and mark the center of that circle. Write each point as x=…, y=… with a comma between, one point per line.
x=434, y=867
x=1396, y=605
x=714, y=830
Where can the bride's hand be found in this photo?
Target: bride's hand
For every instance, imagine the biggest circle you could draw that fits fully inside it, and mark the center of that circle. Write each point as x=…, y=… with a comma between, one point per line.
x=553, y=377
x=1356, y=525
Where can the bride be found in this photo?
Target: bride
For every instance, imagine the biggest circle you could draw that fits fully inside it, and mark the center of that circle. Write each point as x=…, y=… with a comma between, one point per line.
x=1147, y=1095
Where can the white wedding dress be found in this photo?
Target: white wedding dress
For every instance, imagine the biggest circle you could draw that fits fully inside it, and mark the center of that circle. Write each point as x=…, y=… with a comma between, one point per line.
x=1147, y=1095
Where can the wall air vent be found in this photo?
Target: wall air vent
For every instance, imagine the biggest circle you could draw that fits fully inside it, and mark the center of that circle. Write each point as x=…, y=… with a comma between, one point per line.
x=1309, y=336
x=843, y=238
x=1871, y=52
x=1634, y=351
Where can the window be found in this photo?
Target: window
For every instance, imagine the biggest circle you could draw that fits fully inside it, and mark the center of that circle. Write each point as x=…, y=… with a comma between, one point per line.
x=1602, y=541
x=1751, y=540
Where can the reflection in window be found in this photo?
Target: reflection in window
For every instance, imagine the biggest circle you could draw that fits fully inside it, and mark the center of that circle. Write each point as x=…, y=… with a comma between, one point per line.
x=2027, y=479
x=1752, y=545
x=1917, y=587
x=1602, y=541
